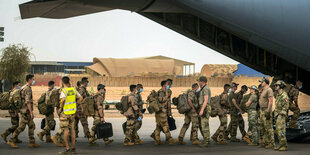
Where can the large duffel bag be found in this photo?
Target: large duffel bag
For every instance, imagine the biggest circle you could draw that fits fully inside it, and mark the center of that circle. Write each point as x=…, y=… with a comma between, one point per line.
x=171, y=122
x=104, y=130
x=43, y=123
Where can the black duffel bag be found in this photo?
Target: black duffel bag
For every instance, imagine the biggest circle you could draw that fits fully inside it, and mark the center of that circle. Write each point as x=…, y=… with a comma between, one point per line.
x=171, y=123
x=104, y=130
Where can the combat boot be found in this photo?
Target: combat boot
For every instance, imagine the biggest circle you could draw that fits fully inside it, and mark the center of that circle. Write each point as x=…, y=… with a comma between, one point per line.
x=40, y=135
x=214, y=137
x=158, y=142
x=109, y=141
x=4, y=136
x=139, y=142
x=283, y=148
x=54, y=139
x=48, y=139
x=153, y=136
x=12, y=144
x=180, y=141
x=128, y=144
x=221, y=142
x=93, y=144
x=204, y=145
x=34, y=145
x=196, y=142
x=269, y=146
x=172, y=141
x=247, y=140
x=252, y=144
x=234, y=140
x=276, y=147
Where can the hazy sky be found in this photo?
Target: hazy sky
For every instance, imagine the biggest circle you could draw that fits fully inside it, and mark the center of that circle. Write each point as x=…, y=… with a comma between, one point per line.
x=116, y=34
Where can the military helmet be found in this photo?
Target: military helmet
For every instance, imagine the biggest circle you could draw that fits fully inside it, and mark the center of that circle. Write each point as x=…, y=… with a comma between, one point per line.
x=280, y=83
x=253, y=87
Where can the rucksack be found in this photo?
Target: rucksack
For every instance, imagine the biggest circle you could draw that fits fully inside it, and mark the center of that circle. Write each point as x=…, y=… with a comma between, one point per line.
x=53, y=100
x=123, y=105
x=15, y=99
x=243, y=102
x=42, y=106
x=153, y=103
x=215, y=106
x=88, y=105
x=183, y=106
x=4, y=101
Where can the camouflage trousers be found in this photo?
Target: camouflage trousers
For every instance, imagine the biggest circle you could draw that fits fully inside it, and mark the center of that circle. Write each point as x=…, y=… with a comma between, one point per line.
x=25, y=120
x=219, y=134
x=253, y=126
x=281, y=130
x=204, y=125
x=267, y=128
x=81, y=117
x=131, y=130
x=235, y=122
x=14, y=121
x=190, y=117
x=49, y=124
x=92, y=138
x=162, y=125
x=296, y=111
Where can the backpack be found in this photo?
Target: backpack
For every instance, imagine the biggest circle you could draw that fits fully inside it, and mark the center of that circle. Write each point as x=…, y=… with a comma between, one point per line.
x=215, y=106
x=243, y=102
x=183, y=106
x=43, y=108
x=4, y=101
x=15, y=99
x=153, y=103
x=123, y=105
x=53, y=100
x=88, y=105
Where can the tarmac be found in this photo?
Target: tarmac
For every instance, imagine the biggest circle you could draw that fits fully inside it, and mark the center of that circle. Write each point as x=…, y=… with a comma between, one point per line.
x=296, y=148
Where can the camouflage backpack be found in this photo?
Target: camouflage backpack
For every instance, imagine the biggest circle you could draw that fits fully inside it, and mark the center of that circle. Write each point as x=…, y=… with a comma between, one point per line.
x=15, y=99
x=215, y=106
x=243, y=102
x=123, y=105
x=183, y=106
x=53, y=100
x=153, y=103
x=43, y=107
x=88, y=105
x=4, y=101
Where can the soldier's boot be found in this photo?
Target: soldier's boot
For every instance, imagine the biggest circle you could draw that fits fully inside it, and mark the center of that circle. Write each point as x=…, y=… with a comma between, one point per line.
x=158, y=142
x=34, y=145
x=253, y=144
x=214, y=137
x=153, y=136
x=247, y=140
x=138, y=142
x=234, y=139
x=128, y=143
x=54, y=139
x=109, y=141
x=12, y=144
x=180, y=141
x=269, y=146
x=204, y=144
x=92, y=143
x=276, y=147
x=172, y=141
x=18, y=140
x=221, y=142
x=48, y=139
x=4, y=136
x=283, y=148
x=196, y=142
x=40, y=135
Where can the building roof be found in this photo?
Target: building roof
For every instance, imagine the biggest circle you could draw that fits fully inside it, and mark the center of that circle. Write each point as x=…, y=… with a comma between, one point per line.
x=52, y=63
x=178, y=61
x=60, y=63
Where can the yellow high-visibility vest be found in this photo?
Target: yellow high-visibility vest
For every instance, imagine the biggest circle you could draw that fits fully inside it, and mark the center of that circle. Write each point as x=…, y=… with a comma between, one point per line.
x=70, y=104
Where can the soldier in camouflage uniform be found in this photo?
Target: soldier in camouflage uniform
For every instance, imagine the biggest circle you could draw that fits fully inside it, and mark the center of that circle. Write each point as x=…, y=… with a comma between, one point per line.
x=218, y=136
x=14, y=116
x=191, y=116
x=252, y=116
x=235, y=111
x=49, y=118
x=99, y=115
x=204, y=99
x=266, y=120
x=58, y=137
x=293, y=94
x=27, y=116
x=162, y=116
x=139, y=103
x=80, y=116
x=280, y=113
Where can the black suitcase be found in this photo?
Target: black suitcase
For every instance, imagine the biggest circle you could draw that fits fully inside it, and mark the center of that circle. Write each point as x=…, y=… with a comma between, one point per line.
x=104, y=130
x=43, y=122
x=171, y=123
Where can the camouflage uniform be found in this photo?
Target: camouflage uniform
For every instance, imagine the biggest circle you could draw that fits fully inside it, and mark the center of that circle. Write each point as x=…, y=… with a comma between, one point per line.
x=233, y=117
x=26, y=97
x=293, y=106
x=260, y=130
x=204, y=124
x=161, y=116
x=280, y=113
x=132, y=120
x=99, y=99
x=253, y=119
x=14, y=120
x=219, y=134
x=266, y=126
x=59, y=134
x=191, y=117
x=139, y=103
x=49, y=119
x=80, y=116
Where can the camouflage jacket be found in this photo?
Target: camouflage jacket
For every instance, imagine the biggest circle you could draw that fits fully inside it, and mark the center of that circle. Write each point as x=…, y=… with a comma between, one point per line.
x=293, y=94
x=282, y=104
x=26, y=97
x=83, y=92
x=192, y=95
x=164, y=101
x=99, y=99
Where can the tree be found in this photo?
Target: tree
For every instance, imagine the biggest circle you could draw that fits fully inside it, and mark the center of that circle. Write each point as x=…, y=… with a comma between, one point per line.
x=14, y=62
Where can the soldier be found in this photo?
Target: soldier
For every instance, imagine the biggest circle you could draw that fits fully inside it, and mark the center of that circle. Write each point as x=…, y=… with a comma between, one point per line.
x=280, y=113
x=139, y=103
x=68, y=108
x=162, y=116
x=293, y=94
x=59, y=135
x=49, y=118
x=191, y=116
x=261, y=131
x=235, y=111
x=133, y=115
x=80, y=116
x=14, y=116
x=265, y=103
x=252, y=117
x=204, y=109
x=99, y=115
x=218, y=136
x=27, y=116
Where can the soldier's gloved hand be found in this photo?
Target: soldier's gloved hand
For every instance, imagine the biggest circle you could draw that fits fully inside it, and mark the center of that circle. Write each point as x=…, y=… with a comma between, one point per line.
x=267, y=115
